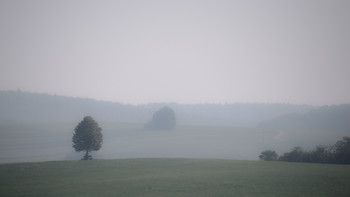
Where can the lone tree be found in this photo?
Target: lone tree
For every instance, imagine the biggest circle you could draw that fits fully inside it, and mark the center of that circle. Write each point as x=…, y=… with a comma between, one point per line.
x=268, y=155
x=87, y=137
x=162, y=119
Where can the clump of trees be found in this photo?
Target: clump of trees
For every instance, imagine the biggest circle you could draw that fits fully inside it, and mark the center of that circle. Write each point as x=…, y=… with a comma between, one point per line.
x=87, y=137
x=339, y=153
x=162, y=119
x=268, y=155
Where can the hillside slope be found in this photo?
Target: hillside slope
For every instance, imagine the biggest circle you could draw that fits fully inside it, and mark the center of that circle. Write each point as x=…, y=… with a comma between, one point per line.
x=327, y=118
x=19, y=107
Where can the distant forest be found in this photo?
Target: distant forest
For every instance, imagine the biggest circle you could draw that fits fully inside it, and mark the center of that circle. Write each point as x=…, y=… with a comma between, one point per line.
x=326, y=118
x=19, y=107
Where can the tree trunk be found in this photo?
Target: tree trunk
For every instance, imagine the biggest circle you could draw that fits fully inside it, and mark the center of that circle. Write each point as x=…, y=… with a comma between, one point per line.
x=87, y=156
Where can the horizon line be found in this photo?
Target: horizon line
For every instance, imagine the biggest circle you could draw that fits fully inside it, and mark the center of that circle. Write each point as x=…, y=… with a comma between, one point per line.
x=19, y=90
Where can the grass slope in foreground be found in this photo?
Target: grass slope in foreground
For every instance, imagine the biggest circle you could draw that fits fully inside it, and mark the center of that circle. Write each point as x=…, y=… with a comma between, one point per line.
x=173, y=177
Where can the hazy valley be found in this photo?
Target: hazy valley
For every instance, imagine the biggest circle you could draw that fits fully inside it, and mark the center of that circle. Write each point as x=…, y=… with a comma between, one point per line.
x=39, y=127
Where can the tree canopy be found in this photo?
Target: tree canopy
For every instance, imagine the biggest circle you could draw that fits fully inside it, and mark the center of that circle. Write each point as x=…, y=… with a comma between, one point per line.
x=339, y=153
x=162, y=119
x=87, y=137
x=268, y=155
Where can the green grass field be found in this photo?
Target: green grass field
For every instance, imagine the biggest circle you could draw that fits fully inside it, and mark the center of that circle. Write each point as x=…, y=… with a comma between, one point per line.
x=173, y=177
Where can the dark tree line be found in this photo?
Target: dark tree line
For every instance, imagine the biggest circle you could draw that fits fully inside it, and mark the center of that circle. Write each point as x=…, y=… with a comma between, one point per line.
x=15, y=107
x=339, y=153
x=268, y=155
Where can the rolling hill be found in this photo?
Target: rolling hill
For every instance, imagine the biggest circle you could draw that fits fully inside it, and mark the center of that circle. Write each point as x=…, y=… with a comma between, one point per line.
x=24, y=107
x=326, y=118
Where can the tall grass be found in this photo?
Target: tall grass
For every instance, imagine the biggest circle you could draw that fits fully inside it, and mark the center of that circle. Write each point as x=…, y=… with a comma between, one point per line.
x=173, y=177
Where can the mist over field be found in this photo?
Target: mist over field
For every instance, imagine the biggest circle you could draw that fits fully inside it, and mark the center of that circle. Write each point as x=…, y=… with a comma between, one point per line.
x=240, y=77
x=39, y=127
x=174, y=98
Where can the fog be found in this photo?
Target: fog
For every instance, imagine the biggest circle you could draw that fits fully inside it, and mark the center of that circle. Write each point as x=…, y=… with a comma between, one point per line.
x=187, y=52
x=53, y=142
x=39, y=127
x=22, y=107
x=241, y=76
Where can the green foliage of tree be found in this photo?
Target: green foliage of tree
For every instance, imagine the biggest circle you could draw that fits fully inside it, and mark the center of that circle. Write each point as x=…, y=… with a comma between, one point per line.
x=162, y=119
x=322, y=154
x=342, y=151
x=339, y=153
x=87, y=137
x=297, y=154
x=268, y=155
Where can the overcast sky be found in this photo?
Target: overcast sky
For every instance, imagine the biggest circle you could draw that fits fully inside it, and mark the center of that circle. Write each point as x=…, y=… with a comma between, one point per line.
x=178, y=51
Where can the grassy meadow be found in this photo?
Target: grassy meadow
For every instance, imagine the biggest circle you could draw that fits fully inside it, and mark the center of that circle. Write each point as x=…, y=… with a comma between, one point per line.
x=173, y=177
x=217, y=161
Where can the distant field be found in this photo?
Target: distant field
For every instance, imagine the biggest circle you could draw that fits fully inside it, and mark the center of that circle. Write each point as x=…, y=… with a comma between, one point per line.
x=47, y=142
x=53, y=141
x=173, y=177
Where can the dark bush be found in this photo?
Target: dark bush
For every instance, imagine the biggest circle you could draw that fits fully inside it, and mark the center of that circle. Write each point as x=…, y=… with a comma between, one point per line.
x=162, y=119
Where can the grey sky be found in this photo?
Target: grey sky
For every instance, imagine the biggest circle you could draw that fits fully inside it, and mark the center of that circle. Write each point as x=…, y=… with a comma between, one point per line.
x=178, y=51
